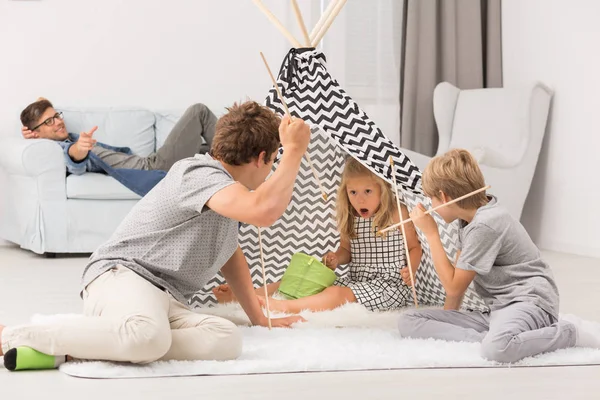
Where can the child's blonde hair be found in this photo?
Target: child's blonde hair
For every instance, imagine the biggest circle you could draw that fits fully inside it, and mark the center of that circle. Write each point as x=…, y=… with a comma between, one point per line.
x=455, y=173
x=344, y=210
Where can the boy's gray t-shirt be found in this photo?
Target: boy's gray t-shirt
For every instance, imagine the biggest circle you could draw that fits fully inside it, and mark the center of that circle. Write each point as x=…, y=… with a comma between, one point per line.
x=508, y=264
x=170, y=237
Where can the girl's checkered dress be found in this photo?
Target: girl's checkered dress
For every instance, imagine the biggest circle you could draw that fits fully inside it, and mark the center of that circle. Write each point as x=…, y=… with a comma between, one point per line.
x=374, y=269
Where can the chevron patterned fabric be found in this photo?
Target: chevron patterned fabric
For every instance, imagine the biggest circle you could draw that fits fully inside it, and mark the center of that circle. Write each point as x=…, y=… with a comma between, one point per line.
x=339, y=128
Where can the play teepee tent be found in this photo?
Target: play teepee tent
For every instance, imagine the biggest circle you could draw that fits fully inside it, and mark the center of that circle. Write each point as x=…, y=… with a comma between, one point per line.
x=340, y=128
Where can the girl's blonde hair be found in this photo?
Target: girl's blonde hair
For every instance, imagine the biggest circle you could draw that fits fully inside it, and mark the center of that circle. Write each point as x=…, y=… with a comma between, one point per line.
x=455, y=173
x=345, y=212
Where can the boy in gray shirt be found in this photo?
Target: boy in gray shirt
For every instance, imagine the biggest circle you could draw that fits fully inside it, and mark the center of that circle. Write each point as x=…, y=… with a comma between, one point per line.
x=136, y=286
x=499, y=257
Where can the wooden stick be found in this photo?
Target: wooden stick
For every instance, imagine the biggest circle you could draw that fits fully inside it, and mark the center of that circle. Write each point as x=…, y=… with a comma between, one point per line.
x=389, y=228
x=314, y=171
x=287, y=111
x=301, y=23
x=330, y=19
x=278, y=24
x=264, y=274
x=408, y=260
x=317, y=28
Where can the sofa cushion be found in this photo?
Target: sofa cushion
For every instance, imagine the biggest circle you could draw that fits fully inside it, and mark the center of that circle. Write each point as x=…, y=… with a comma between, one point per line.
x=130, y=127
x=93, y=186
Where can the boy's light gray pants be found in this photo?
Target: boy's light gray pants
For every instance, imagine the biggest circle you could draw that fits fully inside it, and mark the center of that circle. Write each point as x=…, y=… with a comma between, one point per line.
x=517, y=331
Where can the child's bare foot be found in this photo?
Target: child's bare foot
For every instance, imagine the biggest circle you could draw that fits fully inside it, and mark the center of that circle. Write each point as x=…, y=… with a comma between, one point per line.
x=274, y=305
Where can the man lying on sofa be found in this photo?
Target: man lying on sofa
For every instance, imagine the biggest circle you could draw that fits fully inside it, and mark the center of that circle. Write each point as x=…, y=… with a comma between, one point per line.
x=84, y=154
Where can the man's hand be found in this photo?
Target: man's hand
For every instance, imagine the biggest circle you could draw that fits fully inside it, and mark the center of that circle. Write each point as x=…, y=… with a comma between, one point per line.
x=28, y=134
x=405, y=274
x=84, y=144
x=285, y=322
x=224, y=294
x=294, y=135
x=424, y=222
x=331, y=260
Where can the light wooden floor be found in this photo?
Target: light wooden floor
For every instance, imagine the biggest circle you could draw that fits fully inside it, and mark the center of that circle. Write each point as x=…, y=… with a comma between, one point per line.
x=31, y=284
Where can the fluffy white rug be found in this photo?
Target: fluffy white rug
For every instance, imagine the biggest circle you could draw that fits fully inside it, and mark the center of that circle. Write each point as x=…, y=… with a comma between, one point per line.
x=368, y=341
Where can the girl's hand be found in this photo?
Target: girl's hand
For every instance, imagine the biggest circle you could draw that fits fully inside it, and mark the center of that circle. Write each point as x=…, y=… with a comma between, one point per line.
x=331, y=260
x=406, y=276
x=424, y=222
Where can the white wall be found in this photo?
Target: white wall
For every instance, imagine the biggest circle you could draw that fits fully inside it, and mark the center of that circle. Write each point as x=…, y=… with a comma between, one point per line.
x=150, y=53
x=557, y=42
x=169, y=54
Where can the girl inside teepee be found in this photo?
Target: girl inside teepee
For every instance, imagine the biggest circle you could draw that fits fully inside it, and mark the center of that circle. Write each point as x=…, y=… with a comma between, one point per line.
x=378, y=277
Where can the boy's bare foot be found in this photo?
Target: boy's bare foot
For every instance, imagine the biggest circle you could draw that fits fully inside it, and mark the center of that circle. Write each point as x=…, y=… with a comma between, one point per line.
x=224, y=294
x=274, y=305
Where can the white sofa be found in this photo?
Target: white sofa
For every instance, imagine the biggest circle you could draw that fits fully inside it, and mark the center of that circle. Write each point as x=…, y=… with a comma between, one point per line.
x=503, y=128
x=44, y=210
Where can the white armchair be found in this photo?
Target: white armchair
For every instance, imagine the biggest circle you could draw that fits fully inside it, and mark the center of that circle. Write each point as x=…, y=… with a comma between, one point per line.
x=503, y=128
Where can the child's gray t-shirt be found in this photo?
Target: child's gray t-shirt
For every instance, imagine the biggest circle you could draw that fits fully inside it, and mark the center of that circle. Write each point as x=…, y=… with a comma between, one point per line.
x=508, y=264
x=170, y=237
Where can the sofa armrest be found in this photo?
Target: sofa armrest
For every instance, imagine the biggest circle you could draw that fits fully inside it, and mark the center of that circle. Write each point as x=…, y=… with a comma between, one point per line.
x=31, y=157
x=33, y=196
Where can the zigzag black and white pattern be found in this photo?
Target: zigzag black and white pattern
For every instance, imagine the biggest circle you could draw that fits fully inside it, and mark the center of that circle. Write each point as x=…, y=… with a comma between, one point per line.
x=313, y=95
x=339, y=127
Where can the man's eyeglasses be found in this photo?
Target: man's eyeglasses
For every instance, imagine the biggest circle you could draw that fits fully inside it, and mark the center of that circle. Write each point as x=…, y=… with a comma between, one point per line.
x=50, y=121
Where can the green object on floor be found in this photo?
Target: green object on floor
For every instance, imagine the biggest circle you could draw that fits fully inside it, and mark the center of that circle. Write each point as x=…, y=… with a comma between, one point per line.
x=24, y=358
x=305, y=276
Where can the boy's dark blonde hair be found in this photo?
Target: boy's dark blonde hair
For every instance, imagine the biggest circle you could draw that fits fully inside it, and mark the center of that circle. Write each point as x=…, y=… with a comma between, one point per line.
x=244, y=132
x=455, y=173
x=344, y=211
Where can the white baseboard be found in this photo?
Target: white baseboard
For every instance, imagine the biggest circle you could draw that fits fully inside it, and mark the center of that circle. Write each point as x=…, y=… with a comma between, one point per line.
x=570, y=248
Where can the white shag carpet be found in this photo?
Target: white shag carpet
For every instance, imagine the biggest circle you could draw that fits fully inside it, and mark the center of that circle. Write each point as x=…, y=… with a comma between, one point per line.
x=348, y=338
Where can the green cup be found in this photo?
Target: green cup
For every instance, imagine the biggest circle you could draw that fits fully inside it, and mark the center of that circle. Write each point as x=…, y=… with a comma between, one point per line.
x=305, y=276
